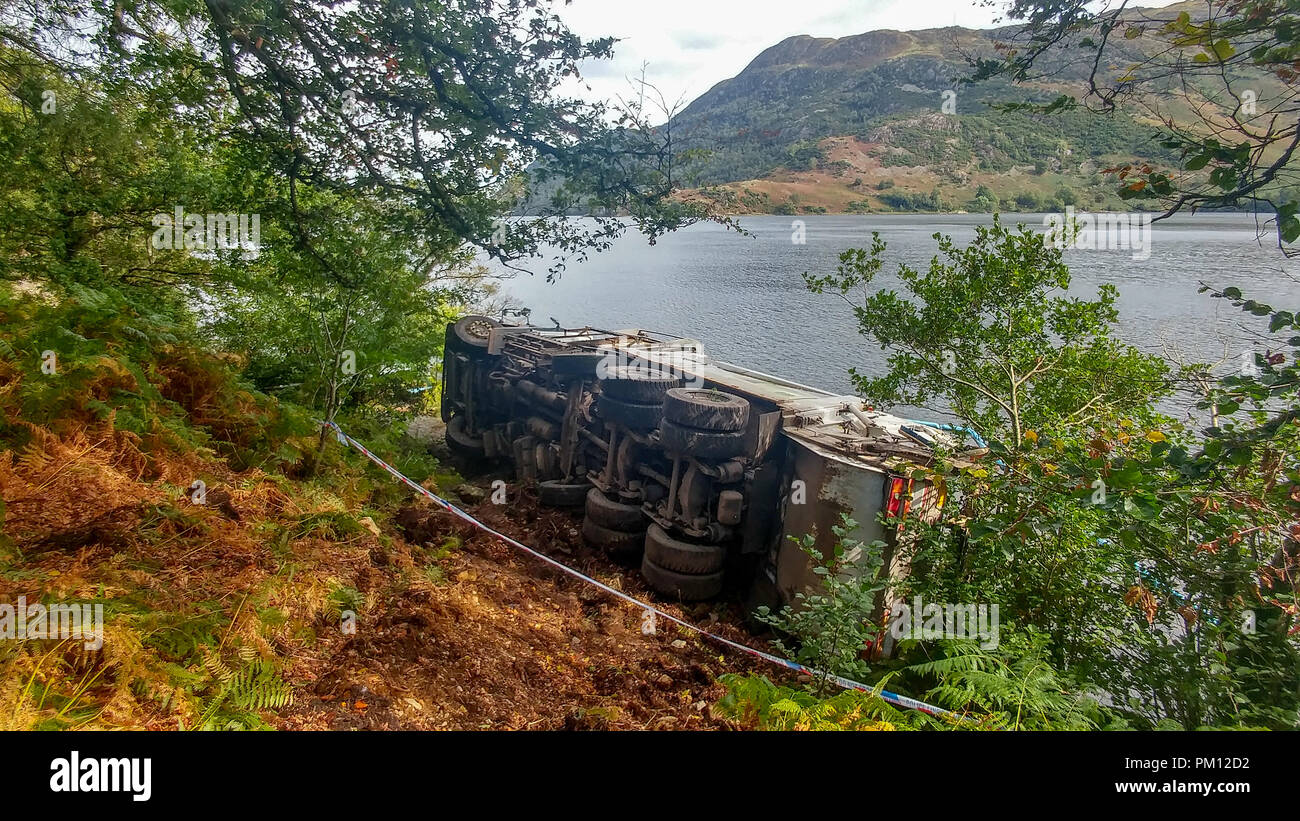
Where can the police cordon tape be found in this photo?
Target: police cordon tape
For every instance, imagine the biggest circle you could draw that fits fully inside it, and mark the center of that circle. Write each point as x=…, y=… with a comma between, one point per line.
x=849, y=684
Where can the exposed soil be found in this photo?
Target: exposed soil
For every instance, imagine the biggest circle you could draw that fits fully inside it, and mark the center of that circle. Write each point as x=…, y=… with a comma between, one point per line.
x=509, y=642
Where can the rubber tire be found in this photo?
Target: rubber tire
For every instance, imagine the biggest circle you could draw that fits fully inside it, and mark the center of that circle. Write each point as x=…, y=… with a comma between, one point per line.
x=680, y=586
x=683, y=557
x=614, y=515
x=462, y=336
x=461, y=443
x=619, y=544
x=639, y=388
x=706, y=409
x=446, y=407
x=635, y=415
x=575, y=364
x=558, y=493
x=710, y=445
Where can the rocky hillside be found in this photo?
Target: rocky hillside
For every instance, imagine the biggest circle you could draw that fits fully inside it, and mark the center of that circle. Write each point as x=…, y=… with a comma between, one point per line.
x=879, y=121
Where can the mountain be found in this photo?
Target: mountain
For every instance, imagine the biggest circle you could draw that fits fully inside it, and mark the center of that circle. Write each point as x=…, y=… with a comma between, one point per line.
x=857, y=124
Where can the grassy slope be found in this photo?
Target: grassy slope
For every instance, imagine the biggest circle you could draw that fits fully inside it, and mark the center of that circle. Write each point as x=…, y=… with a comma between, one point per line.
x=855, y=180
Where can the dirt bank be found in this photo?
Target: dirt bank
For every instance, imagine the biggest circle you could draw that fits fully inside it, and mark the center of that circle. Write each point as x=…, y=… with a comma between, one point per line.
x=227, y=614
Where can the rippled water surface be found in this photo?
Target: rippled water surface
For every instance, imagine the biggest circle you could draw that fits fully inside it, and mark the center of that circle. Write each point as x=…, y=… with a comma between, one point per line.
x=744, y=298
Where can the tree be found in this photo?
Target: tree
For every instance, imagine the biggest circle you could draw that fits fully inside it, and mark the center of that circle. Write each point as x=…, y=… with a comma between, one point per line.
x=372, y=143
x=1160, y=564
x=993, y=333
x=985, y=200
x=1028, y=201
x=358, y=311
x=85, y=170
x=453, y=109
x=1229, y=63
x=368, y=333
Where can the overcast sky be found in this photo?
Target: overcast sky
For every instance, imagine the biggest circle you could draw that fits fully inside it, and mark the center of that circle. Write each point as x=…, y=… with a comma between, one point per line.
x=691, y=45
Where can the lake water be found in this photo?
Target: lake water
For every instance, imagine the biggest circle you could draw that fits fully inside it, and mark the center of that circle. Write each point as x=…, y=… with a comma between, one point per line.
x=744, y=297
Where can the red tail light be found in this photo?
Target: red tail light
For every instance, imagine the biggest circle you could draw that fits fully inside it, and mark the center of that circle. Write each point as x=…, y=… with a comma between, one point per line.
x=899, y=498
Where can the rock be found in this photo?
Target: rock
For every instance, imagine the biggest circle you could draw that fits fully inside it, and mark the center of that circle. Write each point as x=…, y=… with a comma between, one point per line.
x=679, y=644
x=425, y=429
x=369, y=524
x=470, y=493
x=665, y=681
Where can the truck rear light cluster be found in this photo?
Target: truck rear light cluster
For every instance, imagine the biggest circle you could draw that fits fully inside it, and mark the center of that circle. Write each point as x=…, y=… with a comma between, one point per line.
x=900, y=498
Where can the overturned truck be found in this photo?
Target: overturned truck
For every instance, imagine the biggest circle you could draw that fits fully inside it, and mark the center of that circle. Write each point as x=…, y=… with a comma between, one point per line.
x=694, y=470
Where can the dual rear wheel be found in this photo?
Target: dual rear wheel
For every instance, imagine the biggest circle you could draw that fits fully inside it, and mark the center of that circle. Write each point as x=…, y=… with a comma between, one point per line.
x=704, y=424
x=682, y=570
x=709, y=426
x=616, y=527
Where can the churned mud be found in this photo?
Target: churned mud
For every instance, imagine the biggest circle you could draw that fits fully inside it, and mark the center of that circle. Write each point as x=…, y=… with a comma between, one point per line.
x=509, y=642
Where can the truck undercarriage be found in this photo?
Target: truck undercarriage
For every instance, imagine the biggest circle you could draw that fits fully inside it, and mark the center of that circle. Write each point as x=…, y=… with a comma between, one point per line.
x=699, y=472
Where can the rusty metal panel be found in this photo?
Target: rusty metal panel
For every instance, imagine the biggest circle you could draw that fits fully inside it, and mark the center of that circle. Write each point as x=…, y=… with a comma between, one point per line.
x=761, y=433
x=831, y=487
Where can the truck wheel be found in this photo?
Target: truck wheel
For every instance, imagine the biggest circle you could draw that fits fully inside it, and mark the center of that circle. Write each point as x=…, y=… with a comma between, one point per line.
x=446, y=407
x=681, y=586
x=706, y=409
x=557, y=493
x=631, y=385
x=683, y=557
x=614, y=515
x=461, y=443
x=470, y=333
x=635, y=415
x=522, y=456
x=575, y=364
x=619, y=544
x=702, y=444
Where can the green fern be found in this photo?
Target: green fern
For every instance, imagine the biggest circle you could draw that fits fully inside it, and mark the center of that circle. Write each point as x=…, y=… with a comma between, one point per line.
x=1017, y=687
x=259, y=687
x=242, y=691
x=756, y=701
x=344, y=599
x=218, y=669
